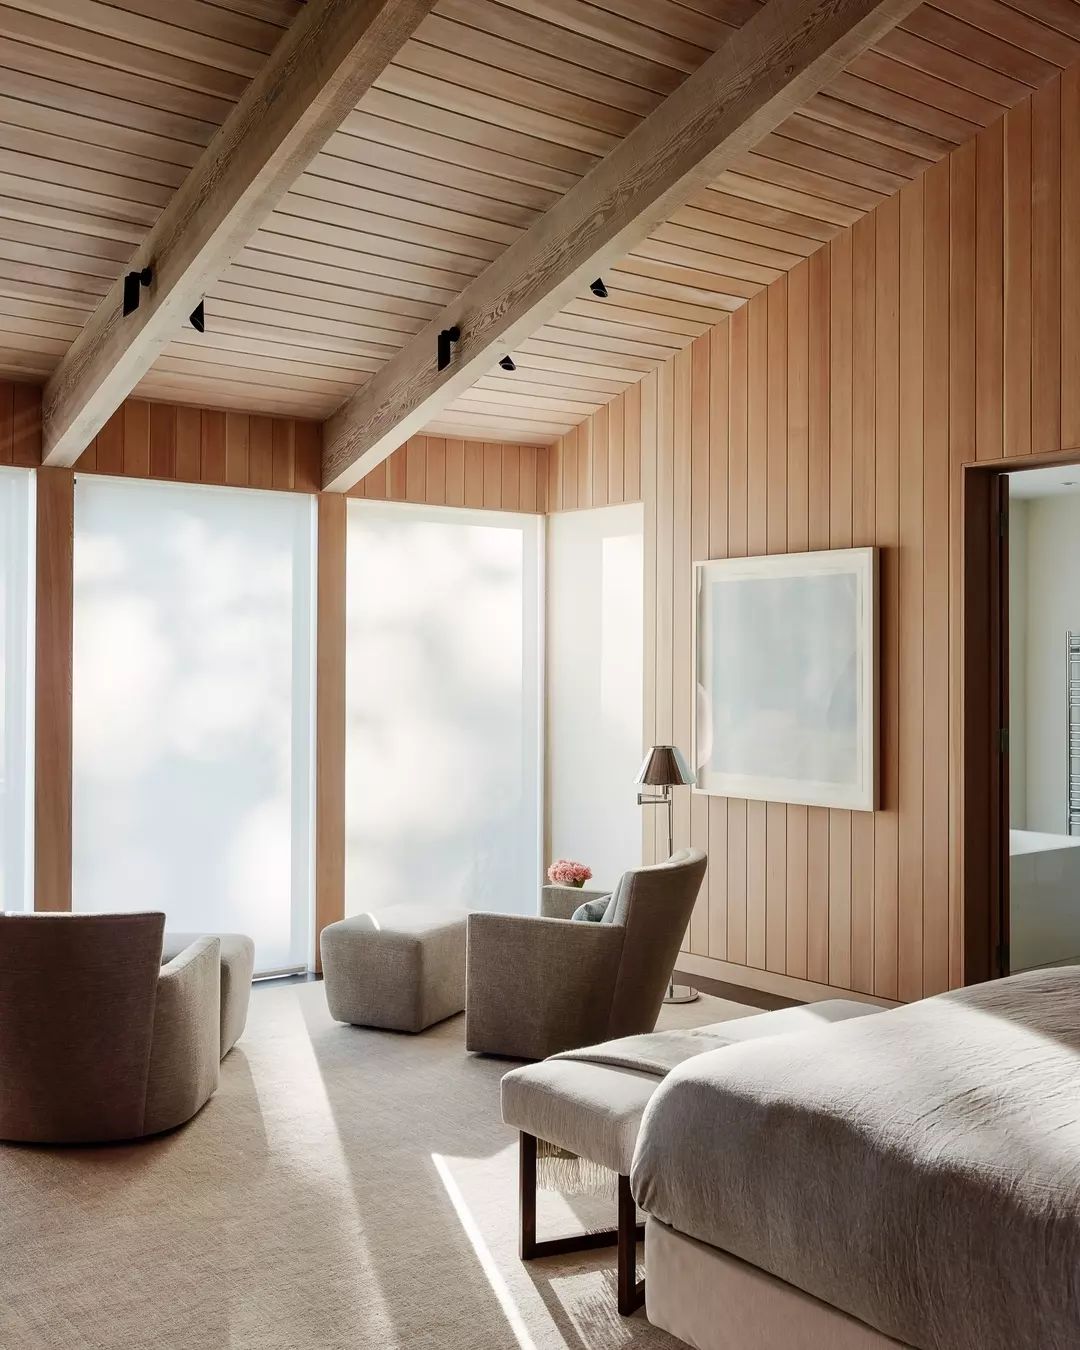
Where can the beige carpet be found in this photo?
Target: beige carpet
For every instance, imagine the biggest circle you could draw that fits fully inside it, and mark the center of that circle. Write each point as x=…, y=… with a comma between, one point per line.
x=344, y=1188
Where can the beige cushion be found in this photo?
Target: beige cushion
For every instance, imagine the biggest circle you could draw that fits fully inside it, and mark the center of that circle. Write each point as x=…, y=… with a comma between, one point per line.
x=237, y=968
x=400, y=968
x=593, y=1110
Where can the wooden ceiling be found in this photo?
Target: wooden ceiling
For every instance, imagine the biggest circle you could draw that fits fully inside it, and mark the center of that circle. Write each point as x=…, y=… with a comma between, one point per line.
x=486, y=118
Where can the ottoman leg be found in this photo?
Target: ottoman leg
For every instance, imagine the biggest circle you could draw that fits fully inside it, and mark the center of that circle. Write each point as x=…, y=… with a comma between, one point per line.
x=631, y=1291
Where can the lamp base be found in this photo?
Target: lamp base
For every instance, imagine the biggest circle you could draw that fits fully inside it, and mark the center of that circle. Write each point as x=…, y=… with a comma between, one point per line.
x=681, y=993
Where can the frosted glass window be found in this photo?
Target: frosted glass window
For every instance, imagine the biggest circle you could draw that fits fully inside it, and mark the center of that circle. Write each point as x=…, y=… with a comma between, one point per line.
x=443, y=707
x=193, y=709
x=16, y=684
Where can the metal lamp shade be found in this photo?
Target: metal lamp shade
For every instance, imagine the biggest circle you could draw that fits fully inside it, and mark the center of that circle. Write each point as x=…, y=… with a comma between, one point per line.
x=664, y=766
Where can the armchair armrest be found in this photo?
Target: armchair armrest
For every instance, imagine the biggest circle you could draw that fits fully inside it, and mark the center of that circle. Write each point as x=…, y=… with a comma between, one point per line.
x=559, y=902
x=185, y=1051
x=537, y=986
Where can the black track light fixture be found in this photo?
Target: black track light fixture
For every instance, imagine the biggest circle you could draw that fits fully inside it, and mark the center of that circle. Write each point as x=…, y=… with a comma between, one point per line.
x=133, y=282
x=599, y=289
x=444, y=347
x=507, y=363
x=198, y=318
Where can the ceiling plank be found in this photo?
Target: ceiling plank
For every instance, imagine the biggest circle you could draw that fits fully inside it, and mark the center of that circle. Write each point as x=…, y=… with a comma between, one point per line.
x=322, y=65
x=781, y=56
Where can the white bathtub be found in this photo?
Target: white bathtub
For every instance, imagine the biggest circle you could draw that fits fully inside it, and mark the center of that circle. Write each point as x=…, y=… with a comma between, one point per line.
x=1044, y=885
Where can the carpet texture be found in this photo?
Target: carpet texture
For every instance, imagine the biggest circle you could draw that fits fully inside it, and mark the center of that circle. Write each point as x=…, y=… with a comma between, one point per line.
x=344, y=1188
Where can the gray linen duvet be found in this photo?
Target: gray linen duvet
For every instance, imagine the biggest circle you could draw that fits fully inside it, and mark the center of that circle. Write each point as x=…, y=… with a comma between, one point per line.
x=919, y=1169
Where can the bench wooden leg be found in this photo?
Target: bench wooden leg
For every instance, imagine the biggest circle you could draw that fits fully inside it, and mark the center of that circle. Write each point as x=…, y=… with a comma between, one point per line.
x=631, y=1290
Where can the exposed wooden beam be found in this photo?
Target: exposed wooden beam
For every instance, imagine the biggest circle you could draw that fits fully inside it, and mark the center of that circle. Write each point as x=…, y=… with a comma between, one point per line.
x=782, y=56
x=324, y=63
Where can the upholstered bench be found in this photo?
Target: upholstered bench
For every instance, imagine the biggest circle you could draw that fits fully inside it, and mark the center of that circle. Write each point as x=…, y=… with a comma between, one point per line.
x=588, y=1104
x=399, y=969
x=237, y=968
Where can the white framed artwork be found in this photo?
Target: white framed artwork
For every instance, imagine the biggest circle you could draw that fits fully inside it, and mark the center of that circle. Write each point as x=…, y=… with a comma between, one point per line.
x=786, y=678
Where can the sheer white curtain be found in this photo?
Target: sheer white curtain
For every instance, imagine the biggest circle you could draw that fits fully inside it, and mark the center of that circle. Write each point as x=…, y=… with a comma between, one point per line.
x=16, y=685
x=193, y=708
x=443, y=746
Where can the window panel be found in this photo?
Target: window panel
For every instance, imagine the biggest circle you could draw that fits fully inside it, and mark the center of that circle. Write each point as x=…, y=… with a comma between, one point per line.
x=443, y=708
x=16, y=686
x=193, y=709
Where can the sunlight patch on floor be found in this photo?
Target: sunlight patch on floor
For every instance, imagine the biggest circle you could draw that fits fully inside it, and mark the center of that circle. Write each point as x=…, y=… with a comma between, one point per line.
x=483, y=1254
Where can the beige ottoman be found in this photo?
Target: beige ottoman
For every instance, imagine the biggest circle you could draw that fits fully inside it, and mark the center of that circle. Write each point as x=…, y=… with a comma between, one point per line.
x=400, y=969
x=237, y=968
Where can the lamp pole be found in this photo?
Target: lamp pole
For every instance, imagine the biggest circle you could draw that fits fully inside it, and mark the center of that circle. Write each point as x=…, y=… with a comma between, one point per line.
x=663, y=768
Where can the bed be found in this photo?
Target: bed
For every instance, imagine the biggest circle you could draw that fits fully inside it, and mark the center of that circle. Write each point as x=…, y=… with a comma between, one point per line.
x=910, y=1179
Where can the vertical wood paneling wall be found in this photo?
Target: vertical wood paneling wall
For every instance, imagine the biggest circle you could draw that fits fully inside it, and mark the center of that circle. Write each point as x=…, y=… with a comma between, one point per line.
x=444, y=472
x=204, y=445
x=20, y=424
x=838, y=408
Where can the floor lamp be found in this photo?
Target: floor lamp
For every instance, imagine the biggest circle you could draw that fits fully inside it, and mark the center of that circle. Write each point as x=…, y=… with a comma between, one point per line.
x=665, y=768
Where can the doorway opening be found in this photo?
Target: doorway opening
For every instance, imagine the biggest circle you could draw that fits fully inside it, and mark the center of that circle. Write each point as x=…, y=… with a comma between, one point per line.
x=1044, y=717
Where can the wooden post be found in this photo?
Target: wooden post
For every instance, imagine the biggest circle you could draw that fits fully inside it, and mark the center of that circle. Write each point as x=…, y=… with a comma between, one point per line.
x=52, y=718
x=330, y=717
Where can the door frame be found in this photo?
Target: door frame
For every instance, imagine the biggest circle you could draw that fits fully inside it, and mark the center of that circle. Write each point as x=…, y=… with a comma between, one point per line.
x=982, y=779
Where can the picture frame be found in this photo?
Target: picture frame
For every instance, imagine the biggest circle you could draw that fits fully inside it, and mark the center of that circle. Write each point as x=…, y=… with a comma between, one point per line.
x=785, y=697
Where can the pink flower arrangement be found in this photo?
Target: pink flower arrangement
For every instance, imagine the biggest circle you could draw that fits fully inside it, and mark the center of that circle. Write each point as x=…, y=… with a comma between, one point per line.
x=567, y=873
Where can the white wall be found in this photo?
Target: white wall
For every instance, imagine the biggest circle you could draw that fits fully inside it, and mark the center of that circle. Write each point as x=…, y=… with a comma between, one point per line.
x=1052, y=609
x=1018, y=649
x=595, y=646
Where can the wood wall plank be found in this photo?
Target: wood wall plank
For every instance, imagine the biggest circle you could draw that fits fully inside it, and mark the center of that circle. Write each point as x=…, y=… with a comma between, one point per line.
x=52, y=689
x=863, y=526
x=330, y=716
x=1046, y=268
x=1070, y=255
x=937, y=605
x=909, y=801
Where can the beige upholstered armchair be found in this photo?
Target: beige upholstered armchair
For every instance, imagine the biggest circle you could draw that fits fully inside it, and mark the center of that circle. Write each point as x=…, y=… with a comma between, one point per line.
x=98, y=1040
x=535, y=986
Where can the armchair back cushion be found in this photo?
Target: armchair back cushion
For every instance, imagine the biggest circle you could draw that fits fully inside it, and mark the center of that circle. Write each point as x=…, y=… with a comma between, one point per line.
x=98, y=1042
x=654, y=905
x=77, y=995
x=536, y=986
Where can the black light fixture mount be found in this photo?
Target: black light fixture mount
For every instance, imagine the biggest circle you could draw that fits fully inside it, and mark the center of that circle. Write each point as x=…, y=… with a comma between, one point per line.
x=198, y=318
x=444, y=348
x=507, y=363
x=599, y=289
x=133, y=282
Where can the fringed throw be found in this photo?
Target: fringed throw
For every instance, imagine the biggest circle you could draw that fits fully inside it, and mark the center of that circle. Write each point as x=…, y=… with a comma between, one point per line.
x=559, y=1170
